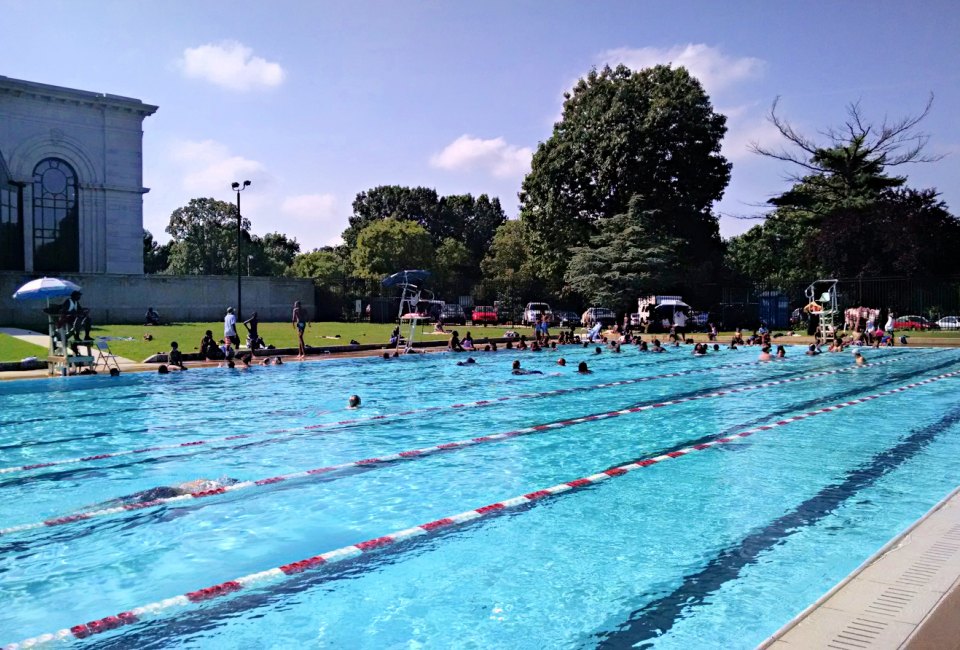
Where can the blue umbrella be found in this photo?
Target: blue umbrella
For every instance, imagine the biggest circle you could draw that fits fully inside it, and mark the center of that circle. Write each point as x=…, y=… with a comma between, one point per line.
x=45, y=288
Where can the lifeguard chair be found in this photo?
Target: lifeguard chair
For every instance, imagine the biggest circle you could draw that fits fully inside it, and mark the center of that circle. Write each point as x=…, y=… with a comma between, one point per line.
x=822, y=301
x=410, y=283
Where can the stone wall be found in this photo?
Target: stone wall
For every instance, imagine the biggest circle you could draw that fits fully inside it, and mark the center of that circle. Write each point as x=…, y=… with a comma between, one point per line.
x=115, y=298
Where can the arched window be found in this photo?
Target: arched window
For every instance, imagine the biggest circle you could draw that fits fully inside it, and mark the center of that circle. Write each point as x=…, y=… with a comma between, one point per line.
x=11, y=223
x=56, y=217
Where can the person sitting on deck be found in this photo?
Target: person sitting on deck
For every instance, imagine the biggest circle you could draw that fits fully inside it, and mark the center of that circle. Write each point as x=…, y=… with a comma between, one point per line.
x=175, y=357
x=75, y=318
x=209, y=348
x=454, y=343
x=467, y=342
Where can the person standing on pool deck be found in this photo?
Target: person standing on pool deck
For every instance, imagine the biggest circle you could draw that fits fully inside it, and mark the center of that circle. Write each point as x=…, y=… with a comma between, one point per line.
x=230, y=328
x=300, y=323
x=888, y=328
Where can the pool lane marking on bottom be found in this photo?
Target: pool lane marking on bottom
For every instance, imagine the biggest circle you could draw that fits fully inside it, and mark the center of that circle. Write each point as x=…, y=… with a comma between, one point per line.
x=375, y=418
x=144, y=612
x=410, y=454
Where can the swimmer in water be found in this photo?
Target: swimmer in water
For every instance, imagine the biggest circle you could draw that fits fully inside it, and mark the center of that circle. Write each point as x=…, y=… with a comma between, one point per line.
x=469, y=362
x=167, y=492
x=353, y=402
x=561, y=361
x=517, y=370
x=583, y=369
x=858, y=358
x=765, y=354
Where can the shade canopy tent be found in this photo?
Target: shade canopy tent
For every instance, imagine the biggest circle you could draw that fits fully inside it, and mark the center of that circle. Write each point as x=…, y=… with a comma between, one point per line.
x=413, y=277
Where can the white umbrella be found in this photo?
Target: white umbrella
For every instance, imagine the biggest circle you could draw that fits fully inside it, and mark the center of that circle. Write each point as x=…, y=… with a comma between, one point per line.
x=45, y=288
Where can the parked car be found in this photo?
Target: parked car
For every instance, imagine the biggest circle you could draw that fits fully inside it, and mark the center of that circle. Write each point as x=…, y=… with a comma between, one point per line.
x=484, y=315
x=911, y=323
x=602, y=315
x=431, y=308
x=453, y=315
x=533, y=312
x=564, y=318
x=949, y=323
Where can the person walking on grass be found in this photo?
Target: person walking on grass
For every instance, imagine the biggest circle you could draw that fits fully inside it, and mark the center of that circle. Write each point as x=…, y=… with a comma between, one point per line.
x=230, y=328
x=300, y=323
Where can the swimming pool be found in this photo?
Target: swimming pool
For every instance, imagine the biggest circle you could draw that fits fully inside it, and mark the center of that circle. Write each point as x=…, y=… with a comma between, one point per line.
x=718, y=498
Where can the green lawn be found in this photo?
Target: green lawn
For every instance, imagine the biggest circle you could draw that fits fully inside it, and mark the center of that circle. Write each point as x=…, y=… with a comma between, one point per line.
x=281, y=335
x=12, y=349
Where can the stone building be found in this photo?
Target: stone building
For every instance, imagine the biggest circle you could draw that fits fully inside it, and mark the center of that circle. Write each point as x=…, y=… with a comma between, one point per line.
x=71, y=180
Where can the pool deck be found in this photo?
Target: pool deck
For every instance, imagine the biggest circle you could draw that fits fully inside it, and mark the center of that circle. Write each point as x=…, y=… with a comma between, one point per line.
x=907, y=595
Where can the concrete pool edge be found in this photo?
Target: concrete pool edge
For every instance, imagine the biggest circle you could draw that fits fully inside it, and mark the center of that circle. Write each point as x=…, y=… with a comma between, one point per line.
x=906, y=595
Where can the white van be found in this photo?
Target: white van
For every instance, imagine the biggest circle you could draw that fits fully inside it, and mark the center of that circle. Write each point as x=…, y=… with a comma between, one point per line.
x=533, y=312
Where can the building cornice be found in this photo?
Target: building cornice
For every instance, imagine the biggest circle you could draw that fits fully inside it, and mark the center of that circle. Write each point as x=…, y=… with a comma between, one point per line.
x=59, y=94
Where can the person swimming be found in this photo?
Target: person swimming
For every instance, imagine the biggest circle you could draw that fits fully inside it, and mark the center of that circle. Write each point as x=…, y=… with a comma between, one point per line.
x=167, y=492
x=353, y=402
x=517, y=370
x=765, y=354
x=469, y=362
x=583, y=369
x=859, y=359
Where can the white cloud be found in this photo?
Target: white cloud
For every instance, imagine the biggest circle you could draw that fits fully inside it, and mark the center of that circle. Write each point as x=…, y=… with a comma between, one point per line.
x=319, y=218
x=231, y=65
x=495, y=156
x=715, y=70
x=744, y=132
x=210, y=167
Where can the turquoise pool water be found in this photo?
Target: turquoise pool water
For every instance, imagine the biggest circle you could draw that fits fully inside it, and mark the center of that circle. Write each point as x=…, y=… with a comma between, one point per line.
x=715, y=548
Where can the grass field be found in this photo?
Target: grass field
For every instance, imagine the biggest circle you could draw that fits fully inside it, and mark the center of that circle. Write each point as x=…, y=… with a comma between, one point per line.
x=281, y=335
x=12, y=349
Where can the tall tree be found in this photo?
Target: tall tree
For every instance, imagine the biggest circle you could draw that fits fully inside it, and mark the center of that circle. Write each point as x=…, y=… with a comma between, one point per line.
x=204, y=238
x=156, y=256
x=651, y=133
x=391, y=245
x=507, y=266
x=272, y=254
x=327, y=267
x=848, y=169
x=418, y=204
x=627, y=257
x=452, y=268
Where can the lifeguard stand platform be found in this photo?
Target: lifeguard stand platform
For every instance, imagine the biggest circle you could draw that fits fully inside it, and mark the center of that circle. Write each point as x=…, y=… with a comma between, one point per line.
x=823, y=294
x=61, y=357
x=410, y=283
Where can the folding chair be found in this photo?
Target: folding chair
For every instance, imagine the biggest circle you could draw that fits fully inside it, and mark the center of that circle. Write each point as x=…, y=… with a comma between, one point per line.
x=105, y=355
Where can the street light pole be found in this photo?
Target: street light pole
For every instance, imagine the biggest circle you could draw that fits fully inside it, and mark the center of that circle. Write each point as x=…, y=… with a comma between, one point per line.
x=238, y=188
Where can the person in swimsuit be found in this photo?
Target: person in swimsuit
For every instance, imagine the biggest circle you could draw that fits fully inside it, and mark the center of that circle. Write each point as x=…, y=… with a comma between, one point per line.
x=300, y=323
x=167, y=492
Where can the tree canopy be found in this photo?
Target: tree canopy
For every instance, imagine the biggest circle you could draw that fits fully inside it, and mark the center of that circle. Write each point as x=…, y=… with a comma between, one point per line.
x=627, y=257
x=652, y=134
x=389, y=245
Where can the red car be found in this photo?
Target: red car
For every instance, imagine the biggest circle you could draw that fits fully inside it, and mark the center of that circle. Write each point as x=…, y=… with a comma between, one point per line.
x=911, y=323
x=484, y=315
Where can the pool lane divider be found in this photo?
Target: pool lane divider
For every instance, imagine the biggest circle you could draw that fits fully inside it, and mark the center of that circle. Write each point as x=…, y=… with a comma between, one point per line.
x=375, y=418
x=370, y=463
x=276, y=574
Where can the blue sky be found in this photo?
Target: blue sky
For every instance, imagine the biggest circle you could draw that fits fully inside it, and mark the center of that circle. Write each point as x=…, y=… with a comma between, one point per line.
x=316, y=101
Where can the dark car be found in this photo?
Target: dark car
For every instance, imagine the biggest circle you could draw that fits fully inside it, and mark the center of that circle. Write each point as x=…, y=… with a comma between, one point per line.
x=484, y=315
x=453, y=315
